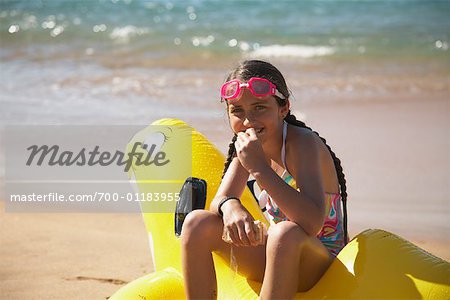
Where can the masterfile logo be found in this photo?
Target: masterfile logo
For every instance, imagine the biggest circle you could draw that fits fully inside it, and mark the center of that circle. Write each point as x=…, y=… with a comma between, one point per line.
x=90, y=168
x=84, y=157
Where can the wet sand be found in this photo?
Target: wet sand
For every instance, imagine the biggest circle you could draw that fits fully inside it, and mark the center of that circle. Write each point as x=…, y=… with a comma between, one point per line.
x=395, y=156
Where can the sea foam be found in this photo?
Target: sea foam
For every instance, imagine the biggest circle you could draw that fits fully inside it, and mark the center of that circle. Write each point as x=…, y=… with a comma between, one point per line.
x=291, y=51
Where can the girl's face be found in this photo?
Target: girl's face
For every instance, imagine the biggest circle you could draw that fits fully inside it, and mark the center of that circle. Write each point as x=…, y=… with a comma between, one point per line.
x=261, y=113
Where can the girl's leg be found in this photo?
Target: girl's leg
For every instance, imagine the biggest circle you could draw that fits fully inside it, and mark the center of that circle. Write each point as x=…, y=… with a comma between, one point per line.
x=201, y=235
x=295, y=261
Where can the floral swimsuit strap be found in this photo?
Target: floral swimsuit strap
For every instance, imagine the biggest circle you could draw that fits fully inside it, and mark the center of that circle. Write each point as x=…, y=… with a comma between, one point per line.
x=263, y=199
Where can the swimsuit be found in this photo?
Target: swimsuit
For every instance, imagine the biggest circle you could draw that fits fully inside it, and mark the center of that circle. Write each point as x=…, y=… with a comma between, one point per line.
x=332, y=232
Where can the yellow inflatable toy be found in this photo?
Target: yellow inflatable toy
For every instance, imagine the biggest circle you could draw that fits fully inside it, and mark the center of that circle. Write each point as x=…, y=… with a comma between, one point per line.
x=375, y=264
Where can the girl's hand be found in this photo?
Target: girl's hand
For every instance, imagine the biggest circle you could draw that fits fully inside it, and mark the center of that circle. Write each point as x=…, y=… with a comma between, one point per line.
x=238, y=225
x=249, y=151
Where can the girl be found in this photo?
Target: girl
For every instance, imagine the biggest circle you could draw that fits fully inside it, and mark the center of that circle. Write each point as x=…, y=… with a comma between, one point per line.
x=303, y=186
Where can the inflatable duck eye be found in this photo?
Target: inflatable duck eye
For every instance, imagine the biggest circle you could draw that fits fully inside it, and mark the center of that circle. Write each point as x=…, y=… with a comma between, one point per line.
x=156, y=139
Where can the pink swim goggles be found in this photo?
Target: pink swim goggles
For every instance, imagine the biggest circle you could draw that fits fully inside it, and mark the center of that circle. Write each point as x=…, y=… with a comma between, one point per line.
x=259, y=87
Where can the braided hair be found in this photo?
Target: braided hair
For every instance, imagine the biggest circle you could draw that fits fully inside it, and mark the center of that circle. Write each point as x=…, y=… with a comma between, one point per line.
x=256, y=68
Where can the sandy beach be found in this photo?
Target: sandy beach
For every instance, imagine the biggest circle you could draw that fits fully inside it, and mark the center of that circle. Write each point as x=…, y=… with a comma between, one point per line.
x=70, y=256
x=395, y=157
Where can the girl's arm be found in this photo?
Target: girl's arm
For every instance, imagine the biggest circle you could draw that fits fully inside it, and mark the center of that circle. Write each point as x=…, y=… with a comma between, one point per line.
x=233, y=184
x=237, y=221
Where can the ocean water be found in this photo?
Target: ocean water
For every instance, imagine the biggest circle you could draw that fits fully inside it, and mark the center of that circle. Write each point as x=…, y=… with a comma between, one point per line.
x=132, y=61
x=155, y=30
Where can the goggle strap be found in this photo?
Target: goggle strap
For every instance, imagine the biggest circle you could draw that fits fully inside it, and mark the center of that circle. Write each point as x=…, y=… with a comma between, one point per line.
x=278, y=94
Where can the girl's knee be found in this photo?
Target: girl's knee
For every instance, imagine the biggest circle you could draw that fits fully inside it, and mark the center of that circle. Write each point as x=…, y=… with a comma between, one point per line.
x=199, y=224
x=286, y=234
